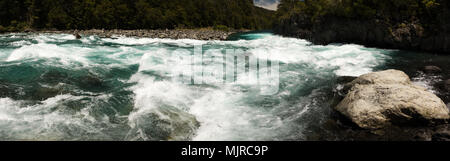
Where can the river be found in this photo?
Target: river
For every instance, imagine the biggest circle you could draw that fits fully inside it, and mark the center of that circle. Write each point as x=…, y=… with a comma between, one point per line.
x=55, y=87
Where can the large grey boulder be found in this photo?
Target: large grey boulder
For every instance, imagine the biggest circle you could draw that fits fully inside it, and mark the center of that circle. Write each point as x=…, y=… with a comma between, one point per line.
x=377, y=100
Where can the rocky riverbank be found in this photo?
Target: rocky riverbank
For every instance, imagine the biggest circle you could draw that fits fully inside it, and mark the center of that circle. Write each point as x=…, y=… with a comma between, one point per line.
x=374, y=33
x=198, y=34
x=417, y=25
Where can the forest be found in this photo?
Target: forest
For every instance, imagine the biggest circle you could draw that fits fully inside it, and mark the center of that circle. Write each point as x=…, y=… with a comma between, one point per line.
x=431, y=13
x=20, y=15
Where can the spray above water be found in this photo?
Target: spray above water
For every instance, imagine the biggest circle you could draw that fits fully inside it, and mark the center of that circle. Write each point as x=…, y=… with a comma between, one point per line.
x=262, y=87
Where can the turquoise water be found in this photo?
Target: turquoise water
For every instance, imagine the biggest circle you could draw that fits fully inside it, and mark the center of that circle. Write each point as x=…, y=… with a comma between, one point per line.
x=54, y=87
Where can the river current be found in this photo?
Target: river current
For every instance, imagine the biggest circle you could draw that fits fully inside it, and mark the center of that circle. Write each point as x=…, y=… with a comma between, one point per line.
x=55, y=87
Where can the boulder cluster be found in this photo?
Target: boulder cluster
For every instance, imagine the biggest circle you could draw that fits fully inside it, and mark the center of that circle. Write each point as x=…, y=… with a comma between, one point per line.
x=198, y=34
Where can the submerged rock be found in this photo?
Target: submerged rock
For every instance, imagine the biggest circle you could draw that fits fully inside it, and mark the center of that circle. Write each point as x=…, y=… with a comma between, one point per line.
x=380, y=99
x=341, y=89
x=43, y=93
x=431, y=69
x=343, y=83
x=54, y=77
x=345, y=79
x=447, y=85
x=200, y=34
x=163, y=123
x=9, y=90
x=441, y=133
x=91, y=81
x=77, y=36
x=443, y=90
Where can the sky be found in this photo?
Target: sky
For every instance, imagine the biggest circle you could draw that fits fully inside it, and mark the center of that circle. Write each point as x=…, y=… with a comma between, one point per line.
x=269, y=4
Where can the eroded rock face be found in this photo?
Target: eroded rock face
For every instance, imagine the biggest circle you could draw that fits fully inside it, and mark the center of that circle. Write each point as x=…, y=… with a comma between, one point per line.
x=374, y=33
x=380, y=99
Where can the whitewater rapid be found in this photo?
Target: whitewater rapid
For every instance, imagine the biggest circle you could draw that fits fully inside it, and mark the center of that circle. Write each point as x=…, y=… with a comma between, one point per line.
x=122, y=88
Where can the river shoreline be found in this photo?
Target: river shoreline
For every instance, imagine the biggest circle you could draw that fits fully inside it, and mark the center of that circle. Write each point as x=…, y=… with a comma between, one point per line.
x=197, y=34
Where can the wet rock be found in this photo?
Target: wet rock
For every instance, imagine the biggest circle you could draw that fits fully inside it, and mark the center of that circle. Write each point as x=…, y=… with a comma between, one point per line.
x=91, y=81
x=342, y=87
x=200, y=34
x=345, y=79
x=43, y=93
x=163, y=123
x=343, y=83
x=443, y=90
x=447, y=85
x=431, y=69
x=381, y=99
x=441, y=133
x=27, y=30
x=441, y=136
x=31, y=93
x=77, y=36
x=54, y=76
x=8, y=90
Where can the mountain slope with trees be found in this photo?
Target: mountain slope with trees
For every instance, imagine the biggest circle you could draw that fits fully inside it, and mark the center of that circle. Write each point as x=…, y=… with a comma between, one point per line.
x=19, y=15
x=403, y=24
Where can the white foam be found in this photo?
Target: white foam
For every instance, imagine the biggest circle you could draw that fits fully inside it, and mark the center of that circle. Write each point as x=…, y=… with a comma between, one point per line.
x=48, y=38
x=347, y=60
x=66, y=55
x=44, y=121
x=427, y=81
x=213, y=108
x=222, y=117
x=145, y=41
x=20, y=43
x=351, y=60
x=221, y=109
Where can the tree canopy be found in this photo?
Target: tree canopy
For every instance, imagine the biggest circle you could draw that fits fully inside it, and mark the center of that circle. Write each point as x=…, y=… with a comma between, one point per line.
x=427, y=11
x=132, y=14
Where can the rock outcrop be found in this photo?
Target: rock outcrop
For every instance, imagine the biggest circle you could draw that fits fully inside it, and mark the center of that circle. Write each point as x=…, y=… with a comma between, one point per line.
x=373, y=33
x=381, y=99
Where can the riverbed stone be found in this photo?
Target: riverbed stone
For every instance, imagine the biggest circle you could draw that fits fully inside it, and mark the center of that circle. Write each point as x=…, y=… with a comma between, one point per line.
x=381, y=99
x=447, y=85
x=431, y=69
x=199, y=34
x=163, y=123
x=43, y=93
x=77, y=36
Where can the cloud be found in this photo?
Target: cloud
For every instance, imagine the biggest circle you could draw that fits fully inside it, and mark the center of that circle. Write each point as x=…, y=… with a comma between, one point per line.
x=268, y=4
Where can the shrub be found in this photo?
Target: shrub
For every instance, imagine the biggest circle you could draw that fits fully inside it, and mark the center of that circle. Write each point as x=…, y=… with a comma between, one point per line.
x=221, y=28
x=2, y=29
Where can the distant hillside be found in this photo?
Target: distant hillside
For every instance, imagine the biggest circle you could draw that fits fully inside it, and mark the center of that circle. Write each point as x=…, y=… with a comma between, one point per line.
x=18, y=15
x=402, y=24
